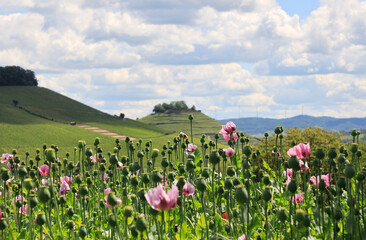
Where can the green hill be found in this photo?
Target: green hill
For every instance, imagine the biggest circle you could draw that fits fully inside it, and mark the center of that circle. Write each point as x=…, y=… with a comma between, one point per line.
x=43, y=116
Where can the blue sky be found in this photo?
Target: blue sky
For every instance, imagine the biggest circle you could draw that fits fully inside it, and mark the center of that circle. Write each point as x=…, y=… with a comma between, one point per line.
x=267, y=58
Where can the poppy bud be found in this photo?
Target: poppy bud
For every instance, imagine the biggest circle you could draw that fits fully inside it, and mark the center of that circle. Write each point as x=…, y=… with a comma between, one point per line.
x=332, y=153
x=241, y=194
x=50, y=155
x=294, y=163
x=190, y=117
x=156, y=176
x=266, y=134
x=230, y=171
x=354, y=148
x=88, y=152
x=134, y=181
x=319, y=154
x=266, y=180
x=28, y=184
x=5, y=174
x=113, y=160
x=112, y=220
x=247, y=150
x=135, y=166
x=22, y=171
x=190, y=165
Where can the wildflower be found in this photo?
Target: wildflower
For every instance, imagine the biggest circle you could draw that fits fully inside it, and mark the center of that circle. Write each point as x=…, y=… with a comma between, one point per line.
x=277, y=154
x=299, y=198
x=243, y=237
x=225, y=216
x=5, y=157
x=103, y=177
x=288, y=172
x=188, y=189
x=184, y=136
x=119, y=165
x=315, y=180
x=44, y=170
x=12, y=166
x=228, y=128
x=191, y=148
x=303, y=166
x=95, y=158
x=229, y=152
x=64, y=188
x=300, y=151
x=66, y=179
x=160, y=200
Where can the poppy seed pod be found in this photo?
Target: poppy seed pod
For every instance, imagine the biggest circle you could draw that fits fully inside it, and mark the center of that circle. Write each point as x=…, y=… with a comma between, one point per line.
x=70, y=225
x=83, y=190
x=33, y=201
x=146, y=178
x=135, y=166
x=282, y=214
x=241, y=194
x=319, y=154
x=341, y=182
x=164, y=163
x=205, y=172
x=332, y=153
x=294, y=163
x=112, y=220
x=112, y=199
x=349, y=171
x=200, y=184
x=88, y=152
x=134, y=181
x=113, y=160
x=300, y=215
x=127, y=211
x=41, y=219
x=141, y=223
x=354, y=148
x=181, y=182
x=322, y=185
x=306, y=221
x=292, y=186
x=44, y=194
x=214, y=157
x=236, y=181
x=28, y=184
x=82, y=231
x=230, y=171
x=267, y=194
x=50, y=155
x=156, y=176
x=155, y=153
x=190, y=165
x=278, y=130
x=247, y=150
x=266, y=180
x=228, y=183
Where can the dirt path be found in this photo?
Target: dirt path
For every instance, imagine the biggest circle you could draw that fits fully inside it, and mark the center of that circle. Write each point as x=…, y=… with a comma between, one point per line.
x=103, y=131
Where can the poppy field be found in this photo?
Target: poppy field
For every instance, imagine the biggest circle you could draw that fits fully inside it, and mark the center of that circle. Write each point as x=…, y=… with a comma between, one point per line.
x=217, y=187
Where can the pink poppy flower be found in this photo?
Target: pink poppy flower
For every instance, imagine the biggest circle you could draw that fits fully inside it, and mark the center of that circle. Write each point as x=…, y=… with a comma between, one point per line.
x=288, y=180
x=299, y=198
x=94, y=158
x=19, y=197
x=106, y=191
x=0, y=214
x=315, y=180
x=9, y=181
x=23, y=209
x=277, y=154
x=300, y=151
x=66, y=179
x=119, y=165
x=104, y=177
x=188, y=189
x=303, y=166
x=227, y=128
x=44, y=170
x=64, y=188
x=184, y=136
x=160, y=200
x=288, y=172
x=243, y=237
x=234, y=137
x=191, y=148
x=12, y=166
x=229, y=152
x=5, y=157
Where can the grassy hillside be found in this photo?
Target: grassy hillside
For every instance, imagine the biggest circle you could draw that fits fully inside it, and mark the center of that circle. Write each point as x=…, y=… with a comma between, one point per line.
x=177, y=122
x=43, y=116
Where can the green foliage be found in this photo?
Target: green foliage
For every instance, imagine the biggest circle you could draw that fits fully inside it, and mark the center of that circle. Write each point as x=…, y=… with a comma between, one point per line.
x=17, y=76
x=174, y=106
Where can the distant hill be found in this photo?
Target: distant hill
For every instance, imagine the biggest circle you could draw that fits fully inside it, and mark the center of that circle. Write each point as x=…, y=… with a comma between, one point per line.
x=256, y=126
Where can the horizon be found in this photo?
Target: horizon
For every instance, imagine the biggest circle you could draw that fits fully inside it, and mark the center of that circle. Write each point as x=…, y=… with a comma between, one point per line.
x=269, y=59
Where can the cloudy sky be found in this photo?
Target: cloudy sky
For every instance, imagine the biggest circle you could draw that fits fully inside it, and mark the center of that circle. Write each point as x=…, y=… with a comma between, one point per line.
x=230, y=58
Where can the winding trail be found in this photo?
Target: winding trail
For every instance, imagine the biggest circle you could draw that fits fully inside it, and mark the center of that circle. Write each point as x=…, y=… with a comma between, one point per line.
x=103, y=131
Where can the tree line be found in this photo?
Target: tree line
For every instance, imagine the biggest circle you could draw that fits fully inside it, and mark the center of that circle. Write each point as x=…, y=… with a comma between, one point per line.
x=17, y=76
x=174, y=106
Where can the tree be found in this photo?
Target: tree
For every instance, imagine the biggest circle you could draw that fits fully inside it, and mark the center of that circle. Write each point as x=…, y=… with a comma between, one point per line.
x=17, y=76
x=121, y=115
x=15, y=102
x=171, y=107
